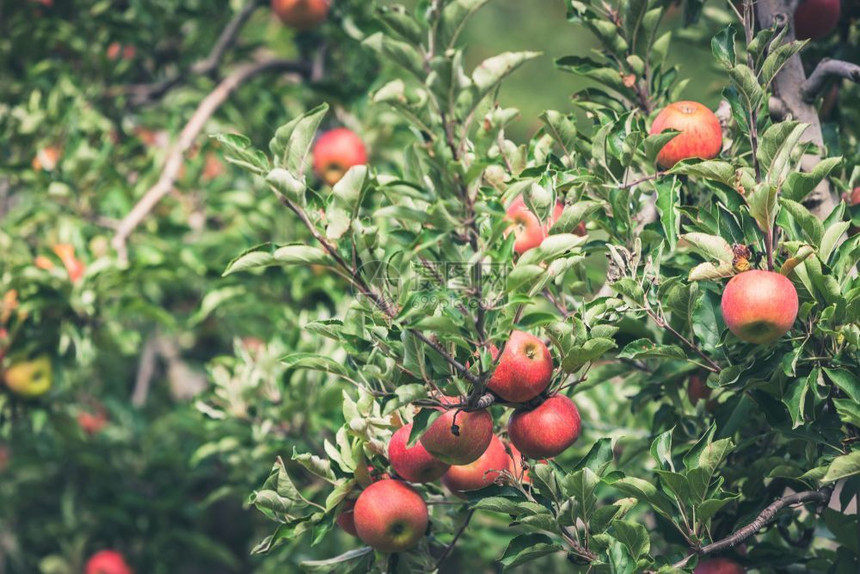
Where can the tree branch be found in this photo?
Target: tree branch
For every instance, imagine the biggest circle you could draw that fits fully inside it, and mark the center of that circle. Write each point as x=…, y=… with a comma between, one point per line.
x=142, y=94
x=450, y=547
x=763, y=519
x=825, y=70
x=173, y=163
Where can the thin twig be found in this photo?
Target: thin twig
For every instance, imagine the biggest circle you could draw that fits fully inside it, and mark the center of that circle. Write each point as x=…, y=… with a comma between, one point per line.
x=450, y=547
x=192, y=129
x=662, y=323
x=763, y=519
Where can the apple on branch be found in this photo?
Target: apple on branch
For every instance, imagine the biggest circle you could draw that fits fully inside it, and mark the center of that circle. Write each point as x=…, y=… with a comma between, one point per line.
x=701, y=134
x=529, y=231
x=547, y=430
x=301, y=14
x=107, y=562
x=480, y=473
x=524, y=370
x=335, y=152
x=29, y=379
x=458, y=437
x=759, y=306
x=413, y=464
x=390, y=516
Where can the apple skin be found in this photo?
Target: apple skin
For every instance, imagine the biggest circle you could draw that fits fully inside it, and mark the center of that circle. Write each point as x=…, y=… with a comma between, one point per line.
x=346, y=518
x=390, y=516
x=523, y=371
x=301, y=14
x=527, y=228
x=477, y=475
x=719, y=566
x=697, y=389
x=413, y=464
x=476, y=432
x=92, y=423
x=545, y=431
x=759, y=306
x=701, y=134
x=335, y=152
x=816, y=19
x=29, y=379
x=107, y=562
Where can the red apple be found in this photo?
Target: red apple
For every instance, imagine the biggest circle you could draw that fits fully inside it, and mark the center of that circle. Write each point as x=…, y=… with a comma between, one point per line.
x=335, y=152
x=528, y=229
x=301, y=14
x=483, y=472
x=390, y=516
x=719, y=566
x=816, y=19
x=759, y=306
x=697, y=389
x=346, y=518
x=107, y=562
x=474, y=431
x=413, y=464
x=701, y=135
x=523, y=371
x=92, y=423
x=545, y=431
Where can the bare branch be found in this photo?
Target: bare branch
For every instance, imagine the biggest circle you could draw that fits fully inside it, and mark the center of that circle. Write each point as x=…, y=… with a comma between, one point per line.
x=142, y=94
x=192, y=129
x=763, y=519
x=825, y=70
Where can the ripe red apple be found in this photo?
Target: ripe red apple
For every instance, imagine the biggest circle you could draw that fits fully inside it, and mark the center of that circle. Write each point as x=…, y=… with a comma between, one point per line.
x=719, y=566
x=545, y=431
x=390, y=516
x=301, y=14
x=528, y=229
x=346, y=518
x=697, y=389
x=92, y=423
x=335, y=152
x=474, y=433
x=107, y=562
x=759, y=306
x=816, y=19
x=413, y=464
x=701, y=135
x=523, y=371
x=483, y=472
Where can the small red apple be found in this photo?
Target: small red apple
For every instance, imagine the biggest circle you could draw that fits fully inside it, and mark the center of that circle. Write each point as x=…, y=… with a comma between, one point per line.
x=528, y=229
x=483, y=472
x=759, y=306
x=816, y=19
x=335, y=152
x=301, y=14
x=719, y=566
x=701, y=135
x=697, y=389
x=413, y=464
x=107, y=562
x=461, y=444
x=92, y=423
x=523, y=371
x=390, y=516
x=346, y=518
x=545, y=431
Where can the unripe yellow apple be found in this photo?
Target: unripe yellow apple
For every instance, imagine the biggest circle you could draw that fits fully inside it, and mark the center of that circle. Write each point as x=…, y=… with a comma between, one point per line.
x=29, y=378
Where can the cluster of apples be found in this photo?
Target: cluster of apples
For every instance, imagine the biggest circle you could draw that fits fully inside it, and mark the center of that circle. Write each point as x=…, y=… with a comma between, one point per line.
x=461, y=448
x=758, y=306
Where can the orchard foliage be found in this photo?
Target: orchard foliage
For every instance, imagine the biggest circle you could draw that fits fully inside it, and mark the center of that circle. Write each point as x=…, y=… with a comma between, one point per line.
x=258, y=314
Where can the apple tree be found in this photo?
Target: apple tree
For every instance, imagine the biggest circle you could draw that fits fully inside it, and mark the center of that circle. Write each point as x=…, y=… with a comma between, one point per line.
x=659, y=332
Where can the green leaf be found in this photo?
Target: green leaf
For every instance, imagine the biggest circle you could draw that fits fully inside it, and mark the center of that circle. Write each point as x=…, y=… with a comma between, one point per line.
x=712, y=247
x=355, y=561
x=453, y=19
x=646, y=492
x=647, y=349
x=345, y=200
x=492, y=71
x=710, y=272
x=299, y=254
x=574, y=214
x=400, y=53
x=634, y=536
x=712, y=169
x=661, y=450
x=286, y=184
x=528, y=547
x=313, y=362
x=776, y=59
x=576, y=357
x=562, y=128
x=775, y=149
x=723, y=47
x=498, y=504
x=421, y=423
x=847, y=381
x=831, y=238
x=747, y=84
x=811, y=226
x=292, y=142
x=843, y=467
x=798, y=184
x=762, y=203
x=668, y=199
x=239, y=151
x=319, y=466
x=709, y=508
